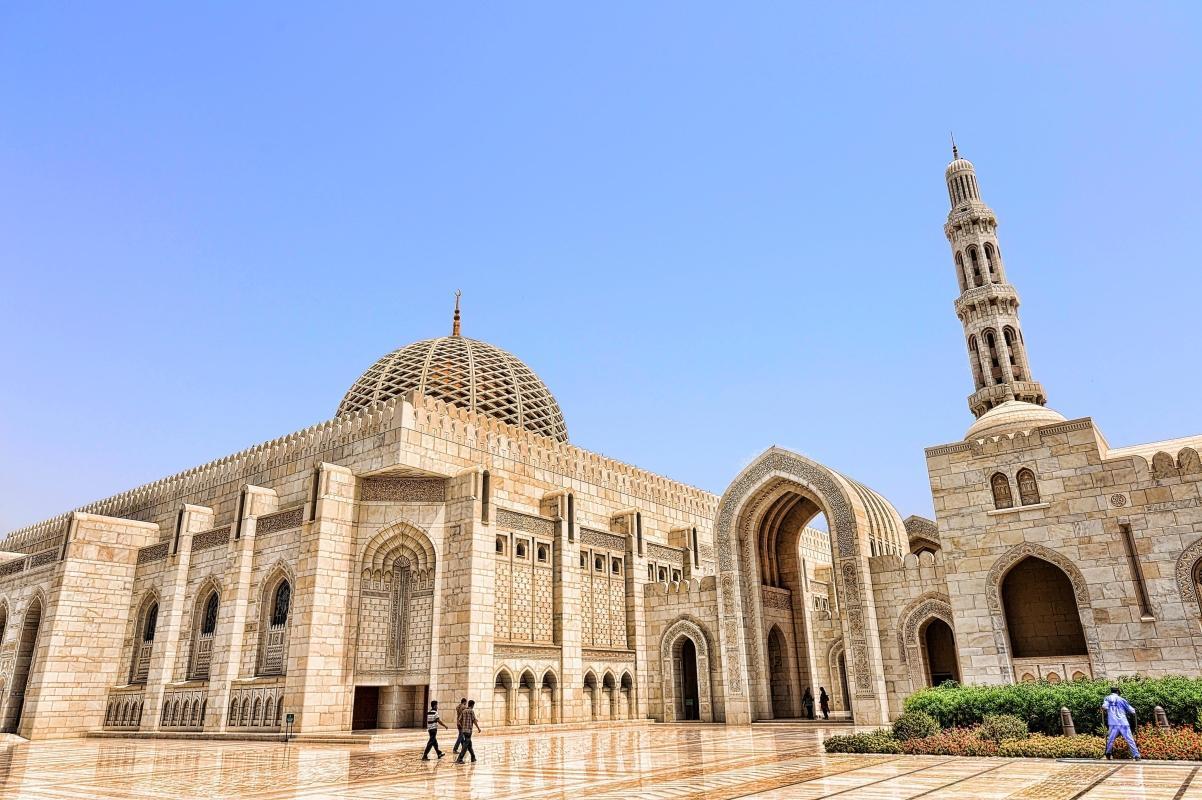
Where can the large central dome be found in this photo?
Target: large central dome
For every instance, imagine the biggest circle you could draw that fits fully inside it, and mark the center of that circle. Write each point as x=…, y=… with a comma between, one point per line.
x=468, y=373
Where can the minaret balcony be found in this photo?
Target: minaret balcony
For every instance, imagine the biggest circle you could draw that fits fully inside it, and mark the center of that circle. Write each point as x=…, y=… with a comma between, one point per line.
x=983, y=297
x=989, y=397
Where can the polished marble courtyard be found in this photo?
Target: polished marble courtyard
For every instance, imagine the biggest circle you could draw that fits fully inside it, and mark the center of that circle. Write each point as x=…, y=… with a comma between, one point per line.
x=643, y=761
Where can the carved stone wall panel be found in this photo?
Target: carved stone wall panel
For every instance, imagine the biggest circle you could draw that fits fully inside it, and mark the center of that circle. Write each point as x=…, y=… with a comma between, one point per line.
x=404, y=490
x=280, y=521
x=515, y=521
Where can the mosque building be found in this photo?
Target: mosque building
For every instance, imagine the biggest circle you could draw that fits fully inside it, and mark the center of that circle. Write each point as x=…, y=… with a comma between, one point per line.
x=441, y=537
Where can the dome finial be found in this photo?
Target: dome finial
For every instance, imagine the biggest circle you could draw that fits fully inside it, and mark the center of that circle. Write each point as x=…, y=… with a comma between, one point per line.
x=455, y=323
x=955, y=152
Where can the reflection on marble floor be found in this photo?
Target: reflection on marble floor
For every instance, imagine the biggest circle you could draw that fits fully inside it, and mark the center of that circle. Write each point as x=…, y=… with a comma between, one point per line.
x=651, y=761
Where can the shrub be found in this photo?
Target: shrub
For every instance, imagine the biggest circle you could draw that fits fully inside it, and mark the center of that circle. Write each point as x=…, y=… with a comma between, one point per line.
x=1039, y=703
x=878, y=741
x=914, y=725
x=952, y=742
x=1173, y=744
x=1002, y=727
x=1039, y=746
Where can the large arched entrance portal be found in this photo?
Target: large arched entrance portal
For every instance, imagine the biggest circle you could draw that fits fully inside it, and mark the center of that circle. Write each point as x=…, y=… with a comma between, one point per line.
x=26, y=650
x=775, y=571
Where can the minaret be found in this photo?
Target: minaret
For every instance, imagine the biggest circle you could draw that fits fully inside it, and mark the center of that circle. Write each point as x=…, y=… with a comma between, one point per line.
x=987, y=305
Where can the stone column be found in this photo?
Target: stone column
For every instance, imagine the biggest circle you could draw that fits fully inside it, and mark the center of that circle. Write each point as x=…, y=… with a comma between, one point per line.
x=318, y=689
x=83, y=626
x=170, y=636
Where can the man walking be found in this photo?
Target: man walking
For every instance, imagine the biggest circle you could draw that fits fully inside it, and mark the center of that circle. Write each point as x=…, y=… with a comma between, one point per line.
x=1117, y=709
x=466, y=723
x=459, y=709
x=432, y=723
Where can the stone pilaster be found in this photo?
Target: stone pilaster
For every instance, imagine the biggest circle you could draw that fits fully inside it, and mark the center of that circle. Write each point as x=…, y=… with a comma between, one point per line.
x=231, y=629
x=318, y=689
x=173, y=605
x=83, y=629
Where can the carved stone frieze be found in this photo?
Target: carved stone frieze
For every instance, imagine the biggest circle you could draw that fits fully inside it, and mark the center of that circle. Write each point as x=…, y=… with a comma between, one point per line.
x=404, y=490
x=280, y=521
x=528, y=523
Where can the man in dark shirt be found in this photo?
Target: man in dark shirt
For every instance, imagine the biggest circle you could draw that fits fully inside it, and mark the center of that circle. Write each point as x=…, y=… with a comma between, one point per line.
x=466, y=723
x=459, y=709
x=432, y=723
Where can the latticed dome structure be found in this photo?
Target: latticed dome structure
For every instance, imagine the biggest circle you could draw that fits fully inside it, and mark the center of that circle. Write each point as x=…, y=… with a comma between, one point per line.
x=468, y=373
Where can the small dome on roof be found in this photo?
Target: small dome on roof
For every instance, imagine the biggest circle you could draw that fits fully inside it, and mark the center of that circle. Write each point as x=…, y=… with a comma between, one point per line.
x=959, y=165
x=1012, y=416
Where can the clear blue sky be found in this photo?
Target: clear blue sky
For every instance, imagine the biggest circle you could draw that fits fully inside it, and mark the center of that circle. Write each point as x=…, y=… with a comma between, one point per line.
x=709, y=227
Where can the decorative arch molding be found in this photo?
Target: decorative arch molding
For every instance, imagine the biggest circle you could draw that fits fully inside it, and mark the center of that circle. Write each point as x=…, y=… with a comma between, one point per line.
x=832, y=661
x=997, y=612
x=688, y=628
x=272, y=657
x=932, y=605
x=1187, y=564
x=397, y=602
x=854, y=513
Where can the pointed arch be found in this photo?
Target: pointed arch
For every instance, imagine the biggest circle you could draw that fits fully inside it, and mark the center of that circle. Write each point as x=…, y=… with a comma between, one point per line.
x=276, y=598
x=856, y=515
x=671, y=643
x=918, y=613
x=29, y=632
x=398, y=567
x=206, y=615
x=993, y=596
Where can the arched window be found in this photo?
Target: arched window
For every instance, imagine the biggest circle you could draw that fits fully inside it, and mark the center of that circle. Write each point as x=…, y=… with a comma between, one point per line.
x=976, y=267
x=1002, y=497
x=960, y=273
x=202, y=641
x=989, y=262
x=152, y=621
x=974, y=361
x=273, y=641
x=279, y=606
x=209, y=624
x=1028, y=489
x=995, y=366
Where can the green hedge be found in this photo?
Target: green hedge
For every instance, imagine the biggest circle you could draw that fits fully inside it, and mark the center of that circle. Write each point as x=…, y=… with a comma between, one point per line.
x=1039, y=703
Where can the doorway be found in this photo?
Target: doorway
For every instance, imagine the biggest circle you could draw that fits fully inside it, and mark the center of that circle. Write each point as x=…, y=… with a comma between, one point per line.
x=939, y=646
x=689, y=694
x=366, y=712
x=778, y=675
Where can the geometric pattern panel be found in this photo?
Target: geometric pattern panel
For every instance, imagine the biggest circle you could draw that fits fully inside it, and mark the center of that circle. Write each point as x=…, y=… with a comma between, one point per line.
x=467, y=373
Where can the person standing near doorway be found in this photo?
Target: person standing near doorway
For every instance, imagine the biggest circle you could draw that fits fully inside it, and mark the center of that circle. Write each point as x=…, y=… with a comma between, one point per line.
x=432, y=723
x=459, y=709
x=807, y=701
x=466, y=723
x=824, y=702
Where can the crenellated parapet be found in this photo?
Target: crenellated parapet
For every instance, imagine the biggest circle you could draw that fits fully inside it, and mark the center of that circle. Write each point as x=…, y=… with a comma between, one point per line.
x=413, y=411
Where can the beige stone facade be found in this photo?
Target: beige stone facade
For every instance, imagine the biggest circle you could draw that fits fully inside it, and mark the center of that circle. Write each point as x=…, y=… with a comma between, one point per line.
x=441, y=537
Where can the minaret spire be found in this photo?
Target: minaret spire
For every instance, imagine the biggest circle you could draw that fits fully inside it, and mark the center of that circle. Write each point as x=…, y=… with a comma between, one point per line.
x=455, y=322
x=988, y=305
